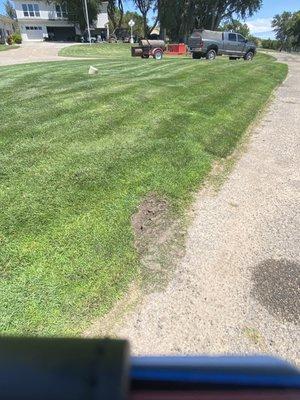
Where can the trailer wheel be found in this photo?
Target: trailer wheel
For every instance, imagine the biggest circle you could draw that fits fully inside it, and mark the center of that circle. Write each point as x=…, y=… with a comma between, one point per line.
x=158, y=54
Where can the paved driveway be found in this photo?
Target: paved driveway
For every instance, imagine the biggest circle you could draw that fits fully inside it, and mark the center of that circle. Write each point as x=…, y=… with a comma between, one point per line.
x=33, y=52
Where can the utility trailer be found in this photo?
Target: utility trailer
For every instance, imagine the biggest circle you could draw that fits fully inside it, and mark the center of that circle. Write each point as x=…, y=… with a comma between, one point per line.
x=147, y=48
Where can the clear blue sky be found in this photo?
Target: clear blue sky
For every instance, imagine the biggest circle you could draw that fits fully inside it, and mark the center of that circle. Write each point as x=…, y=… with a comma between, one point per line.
x=260, y=24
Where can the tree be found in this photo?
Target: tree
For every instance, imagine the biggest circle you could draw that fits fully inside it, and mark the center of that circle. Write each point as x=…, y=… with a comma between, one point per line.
x=176, y=17
x=144, y=6
x=76, y=11
x=115, y=10
x=209, y=14
x=254, y=39
x=180, y=17
x=10, y=10
x=236, y=26
x=295, y=29
x=138, y=28
x=270, y=44
x=282, y=24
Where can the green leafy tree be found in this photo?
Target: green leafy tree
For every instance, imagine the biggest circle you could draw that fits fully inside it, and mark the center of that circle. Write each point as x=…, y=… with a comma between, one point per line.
x=144, y=7
x=76, y=11
x=138, y=28
x=254, y=39
x=180, y=17
x=115, y=10
x=10, y=10
x=282, y=24
x=236, y=26
x=270, y=44
x=176, y=17
x=210, y=13
x=294, y=30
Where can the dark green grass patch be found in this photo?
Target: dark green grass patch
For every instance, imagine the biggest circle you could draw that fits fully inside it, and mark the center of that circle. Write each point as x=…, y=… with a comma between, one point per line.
x=79, y=153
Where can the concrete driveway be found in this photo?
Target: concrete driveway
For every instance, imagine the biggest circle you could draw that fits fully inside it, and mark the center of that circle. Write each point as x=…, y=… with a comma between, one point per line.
x=33, y=52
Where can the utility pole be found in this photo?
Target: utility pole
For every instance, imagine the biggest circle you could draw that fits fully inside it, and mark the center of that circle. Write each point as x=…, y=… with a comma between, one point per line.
x=87, y=21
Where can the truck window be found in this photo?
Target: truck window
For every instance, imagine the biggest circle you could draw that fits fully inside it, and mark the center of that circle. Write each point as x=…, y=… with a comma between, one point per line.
x=232, y=37
x=241, y=38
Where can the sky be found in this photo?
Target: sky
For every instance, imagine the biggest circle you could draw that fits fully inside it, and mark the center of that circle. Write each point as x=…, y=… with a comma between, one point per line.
x=259, y=24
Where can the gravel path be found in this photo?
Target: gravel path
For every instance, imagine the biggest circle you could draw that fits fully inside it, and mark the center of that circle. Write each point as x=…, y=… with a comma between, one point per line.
x=34, y=52
x=237, y=288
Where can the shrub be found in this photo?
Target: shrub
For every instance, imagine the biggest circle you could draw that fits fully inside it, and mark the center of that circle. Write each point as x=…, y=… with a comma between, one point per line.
x=254, y=39
x=9, y=40
x=270, y=44
x=17, y=38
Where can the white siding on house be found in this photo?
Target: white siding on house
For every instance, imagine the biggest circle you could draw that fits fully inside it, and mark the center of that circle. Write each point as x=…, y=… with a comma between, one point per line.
x=33, y=32
x=34, y=27
x=102, y=17
x=46, y=11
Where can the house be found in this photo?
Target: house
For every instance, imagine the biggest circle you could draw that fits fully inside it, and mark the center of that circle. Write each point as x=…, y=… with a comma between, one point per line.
x=39, y=20
x=7, y=27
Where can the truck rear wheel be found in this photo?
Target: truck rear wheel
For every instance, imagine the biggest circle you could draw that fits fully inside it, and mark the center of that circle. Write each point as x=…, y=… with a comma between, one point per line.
x=249, y=56
x=211, y=54
x=196, y=56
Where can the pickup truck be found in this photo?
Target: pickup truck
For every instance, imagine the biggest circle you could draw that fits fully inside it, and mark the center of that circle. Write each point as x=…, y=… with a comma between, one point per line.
x=209, y=44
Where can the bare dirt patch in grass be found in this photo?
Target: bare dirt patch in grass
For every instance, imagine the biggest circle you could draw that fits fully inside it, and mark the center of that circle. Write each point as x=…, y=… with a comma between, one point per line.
x=158, y=239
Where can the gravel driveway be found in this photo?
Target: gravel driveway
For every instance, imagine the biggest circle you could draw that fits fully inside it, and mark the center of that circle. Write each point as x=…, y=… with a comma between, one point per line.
x=237, y=288
x=33, y=52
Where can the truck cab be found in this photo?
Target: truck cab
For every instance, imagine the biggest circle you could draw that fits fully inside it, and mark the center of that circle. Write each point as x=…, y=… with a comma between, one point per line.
x=209, y=44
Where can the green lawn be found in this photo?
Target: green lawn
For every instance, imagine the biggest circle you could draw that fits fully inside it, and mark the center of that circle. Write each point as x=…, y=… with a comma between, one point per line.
x=78, y=153
x=4, y=47
x=107, y=50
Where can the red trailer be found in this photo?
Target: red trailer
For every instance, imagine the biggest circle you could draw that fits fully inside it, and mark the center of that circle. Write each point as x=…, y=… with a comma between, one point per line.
x=178, y=49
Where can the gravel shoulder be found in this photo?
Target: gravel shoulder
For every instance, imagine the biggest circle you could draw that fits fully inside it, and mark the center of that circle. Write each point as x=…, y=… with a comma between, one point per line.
x=236, y=289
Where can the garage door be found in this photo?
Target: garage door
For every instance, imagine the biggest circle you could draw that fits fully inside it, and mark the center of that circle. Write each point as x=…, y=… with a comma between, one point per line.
x=34, y=32
x=61, y=33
